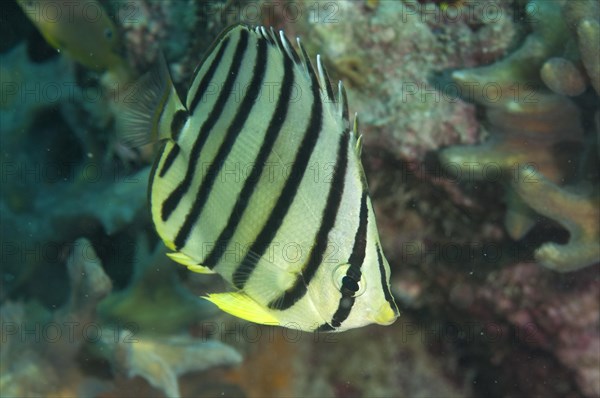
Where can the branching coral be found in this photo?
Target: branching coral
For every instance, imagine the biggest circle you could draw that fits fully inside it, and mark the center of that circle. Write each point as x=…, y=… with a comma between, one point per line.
x=578, y=212
x=520, y=134
x=532, y=123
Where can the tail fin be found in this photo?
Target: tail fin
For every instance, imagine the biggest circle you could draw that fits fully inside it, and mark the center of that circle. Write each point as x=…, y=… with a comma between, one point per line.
x=149, y=107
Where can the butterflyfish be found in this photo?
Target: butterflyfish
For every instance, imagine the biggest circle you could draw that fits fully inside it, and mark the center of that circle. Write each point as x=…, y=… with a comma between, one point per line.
x=258, y=178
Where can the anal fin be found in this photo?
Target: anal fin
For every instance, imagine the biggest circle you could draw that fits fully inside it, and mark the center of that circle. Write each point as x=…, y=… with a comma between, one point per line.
x=241, y=305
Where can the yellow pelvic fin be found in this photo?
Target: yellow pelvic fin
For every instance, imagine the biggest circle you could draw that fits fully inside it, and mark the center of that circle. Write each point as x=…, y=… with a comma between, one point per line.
x=189, y=263
x=243, y=306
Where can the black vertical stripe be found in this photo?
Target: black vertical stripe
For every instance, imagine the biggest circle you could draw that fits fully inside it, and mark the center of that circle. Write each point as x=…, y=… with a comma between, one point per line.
x=209, y=74
x=177, y=123
x=325, y=328
x=384, y=285
x=159, y=154
x=356, y=259
x=169, y=160
x=273, y=130
x=258, y=74
x=174, y=197
x=289, y=191
x=330, y=214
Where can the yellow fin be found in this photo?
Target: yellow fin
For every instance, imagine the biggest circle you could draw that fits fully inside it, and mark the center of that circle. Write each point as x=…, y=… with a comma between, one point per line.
x=241, y=305
x=188, y=262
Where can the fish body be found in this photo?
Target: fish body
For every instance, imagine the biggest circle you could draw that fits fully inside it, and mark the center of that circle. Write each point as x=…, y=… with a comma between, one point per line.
x=259, y=179
x=80, y=28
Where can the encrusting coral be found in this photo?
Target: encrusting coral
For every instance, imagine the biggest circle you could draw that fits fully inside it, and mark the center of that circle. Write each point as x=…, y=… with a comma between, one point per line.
x=386, y=60
x=535, y=129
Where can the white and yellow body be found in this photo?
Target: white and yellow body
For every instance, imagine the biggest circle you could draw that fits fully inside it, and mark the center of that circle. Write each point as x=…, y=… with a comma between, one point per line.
x=260, y=180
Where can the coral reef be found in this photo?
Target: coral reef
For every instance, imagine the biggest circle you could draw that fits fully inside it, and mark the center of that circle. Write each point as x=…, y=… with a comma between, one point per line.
x=443, y=239
x=391, y=71
x=566, y=322
x=62, y=212
x=179, y=29
x=578, y=212
x=46, y=365
x=479, y=317
x=523, y=134
x=63, y=177
x=162, y=360
x=49, y=364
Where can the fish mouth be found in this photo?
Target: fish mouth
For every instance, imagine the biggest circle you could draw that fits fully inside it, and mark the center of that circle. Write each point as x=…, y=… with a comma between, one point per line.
x=386, y=315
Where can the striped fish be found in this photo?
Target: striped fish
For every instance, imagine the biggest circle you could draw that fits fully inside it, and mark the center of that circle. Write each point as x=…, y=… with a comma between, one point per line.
x=259, y=180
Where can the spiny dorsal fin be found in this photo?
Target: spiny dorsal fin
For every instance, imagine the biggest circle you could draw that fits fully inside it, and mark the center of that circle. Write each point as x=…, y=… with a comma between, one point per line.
x=279, y=39
x=305, y=59
x=267, y=34
x=324, y=80
x=342, y=101
x=357, y=135
x=285, y=46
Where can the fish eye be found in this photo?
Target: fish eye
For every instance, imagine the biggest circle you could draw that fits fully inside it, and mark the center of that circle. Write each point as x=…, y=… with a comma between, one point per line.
x=346, y=284
x=108, y=33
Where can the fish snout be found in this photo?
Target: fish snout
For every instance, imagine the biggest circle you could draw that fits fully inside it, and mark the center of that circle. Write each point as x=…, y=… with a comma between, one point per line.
x=385, y=315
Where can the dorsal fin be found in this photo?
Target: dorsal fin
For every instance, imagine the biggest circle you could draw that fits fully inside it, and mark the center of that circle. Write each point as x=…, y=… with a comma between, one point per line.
x=342, y=101
x=324, y=80
x=285, y=46
x=320, y=77
x=357, y=135
x=306, y=63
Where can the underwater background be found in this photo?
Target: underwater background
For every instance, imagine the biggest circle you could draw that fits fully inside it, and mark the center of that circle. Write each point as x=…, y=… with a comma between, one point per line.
x=480, y=123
